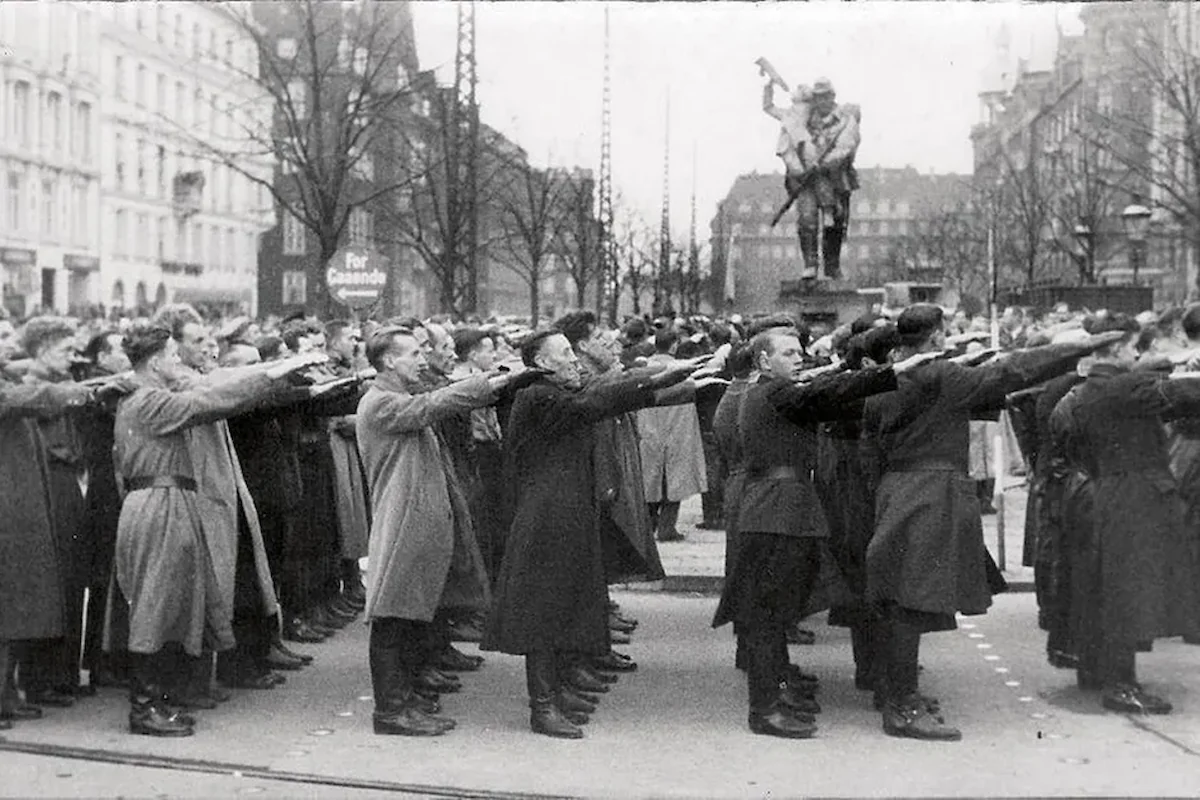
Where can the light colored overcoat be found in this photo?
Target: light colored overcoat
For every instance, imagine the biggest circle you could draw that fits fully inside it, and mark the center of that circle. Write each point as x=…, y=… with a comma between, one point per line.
x=420, y=520
x=672, y=449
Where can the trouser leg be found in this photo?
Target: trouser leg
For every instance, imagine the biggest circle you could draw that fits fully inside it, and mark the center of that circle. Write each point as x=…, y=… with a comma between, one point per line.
x=1118, y=664
x=902, y=660
x=862, y=641
x=764, y=672
x=806, y=230
x=668, y=516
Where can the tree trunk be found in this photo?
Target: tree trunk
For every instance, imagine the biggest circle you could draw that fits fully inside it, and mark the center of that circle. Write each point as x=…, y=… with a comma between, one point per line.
x=321, y=298
x=534, y=298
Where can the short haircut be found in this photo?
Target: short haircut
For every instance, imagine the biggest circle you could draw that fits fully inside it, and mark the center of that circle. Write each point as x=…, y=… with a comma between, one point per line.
x=875, y=344
x=41, y=332
x=175, y=317
x=269, y=347
x=381, y=342
x=466, y=340
x=576, y=326
x=664, y=340
x=1191, y=322
x=689, y=349
x=741, y=361
x=635, y=330
x=298, y=328
x=99, y=344
x=764, y=342
x=918, y=322
x=144, y=340
x=720, y=333
x=533, y=344
x=336, y=327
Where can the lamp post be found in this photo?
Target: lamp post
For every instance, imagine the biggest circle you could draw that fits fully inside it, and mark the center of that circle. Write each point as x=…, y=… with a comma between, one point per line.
x=1136, y=218
x=1084, y=235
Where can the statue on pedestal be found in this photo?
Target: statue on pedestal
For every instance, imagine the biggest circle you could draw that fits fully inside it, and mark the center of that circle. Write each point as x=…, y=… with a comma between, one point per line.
x=817, y=142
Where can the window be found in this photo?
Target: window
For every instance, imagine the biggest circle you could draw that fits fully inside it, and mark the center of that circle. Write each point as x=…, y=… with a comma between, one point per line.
x=20, y=112
x=142, y=246
x=119, y=77
x=178, y=40
x=231, y=177
x=214, y=245
x=212, y=44
x=160, y=170
x=250, y=254
x=196, y=40
x=230, y=249
x=122, y=233
x=286, y=48
x=364, y=166
x=160, y=24
x=360, y=227
x=902, y=227
x=180, y=102
x=402, y=75
x=141, y=166
x=884, y=228
x=160, y=94
x=294, y=235
x=83, y=132
x=863, y=208
x=903, y=209
x=54, y=119
x=863, y=252
x=198, y=243
x=119, y=167
x=213, y=115
x=160, y=230
x=360, y=60
x=229, y=52
x=80, y=212
x=777, y=252
x=297, y=92
x=13, y=192
x=295, y=287
x=198, y=108
x=344, y=53
x=139, y=87
x=181, y=236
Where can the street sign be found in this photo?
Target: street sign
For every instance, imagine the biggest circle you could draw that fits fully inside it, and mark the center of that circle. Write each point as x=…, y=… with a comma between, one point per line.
x=356, y=277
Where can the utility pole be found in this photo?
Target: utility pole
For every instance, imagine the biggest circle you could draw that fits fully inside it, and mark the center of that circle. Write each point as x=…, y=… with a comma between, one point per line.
x=692, y=302
x=465, y=180
x=664, y=228
x=608, y=287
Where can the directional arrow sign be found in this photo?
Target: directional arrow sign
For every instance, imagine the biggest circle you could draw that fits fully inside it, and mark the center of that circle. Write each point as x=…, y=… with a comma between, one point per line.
x=356, y=277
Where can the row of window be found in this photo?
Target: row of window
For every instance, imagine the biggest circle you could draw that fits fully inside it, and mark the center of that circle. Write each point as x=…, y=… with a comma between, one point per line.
x=148, y=237
x=152, y=169
x=193, y=109
x=60, y=125
x=867, y=228
x=779, y=252
x=53, y=208
x=197, y=40
x=864, y=208
x=360, y=232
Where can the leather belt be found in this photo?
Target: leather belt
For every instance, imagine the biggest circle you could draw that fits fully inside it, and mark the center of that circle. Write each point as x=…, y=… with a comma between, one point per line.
x=160, y=482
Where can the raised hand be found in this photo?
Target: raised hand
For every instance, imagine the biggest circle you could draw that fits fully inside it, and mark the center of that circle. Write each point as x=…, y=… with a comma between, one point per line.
x=916, y=360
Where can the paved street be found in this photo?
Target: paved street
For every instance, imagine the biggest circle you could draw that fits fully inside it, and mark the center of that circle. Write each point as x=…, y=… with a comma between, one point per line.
x=676, y=728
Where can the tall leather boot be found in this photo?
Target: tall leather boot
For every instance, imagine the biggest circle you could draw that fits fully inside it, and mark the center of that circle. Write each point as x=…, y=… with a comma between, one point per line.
x=149, y=714
x=862, y=642
x=353, y=590
x=808, y=248
x=396, y=708
x=545, y=716
x=832, y=242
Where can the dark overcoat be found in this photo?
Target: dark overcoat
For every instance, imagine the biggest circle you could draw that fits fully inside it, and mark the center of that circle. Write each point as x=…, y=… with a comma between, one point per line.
x=551, y=595
x=1140, y=554
x=927, y=554
x=729, y=442
x=31, y=583
x=849, y=503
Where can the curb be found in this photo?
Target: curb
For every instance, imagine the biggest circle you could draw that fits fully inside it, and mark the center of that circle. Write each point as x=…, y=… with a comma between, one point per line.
x=711, y=585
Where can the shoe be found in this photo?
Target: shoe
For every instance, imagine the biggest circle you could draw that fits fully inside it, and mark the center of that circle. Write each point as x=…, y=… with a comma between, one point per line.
x=798, y=635
x=276, y=659
x=584, y=680
x=613, y=608
x=671, y=537
x=1087, y=680
x=465, y=632
x=50, y=697
x=932, y=704
x=340, y=611
x=1132, y=699
x=798, y=702
x=258, y=681
x=911, y=719
x=298, y=630
x=575, y=717
x=410, y=721
x=605, y=677
x=454, y=660
x=436, y=681
x=289, y=652
x=776, y=721
x=577, y=700
x=545, y=718
x=611, y=662
x=148, y=718
x=218, y=693
x=618, y=637
x=615, y=623
x=321, y=617
x=20, y=712
x=711, y=525
x=427, y=705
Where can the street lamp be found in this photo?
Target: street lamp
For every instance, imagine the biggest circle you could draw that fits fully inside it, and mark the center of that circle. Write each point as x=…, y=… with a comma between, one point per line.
x=1083, y=235
x=1136, y=218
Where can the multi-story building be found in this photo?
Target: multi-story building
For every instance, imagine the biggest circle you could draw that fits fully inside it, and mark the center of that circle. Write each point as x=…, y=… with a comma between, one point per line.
x=364, y=79
x=751, y=260
x=50, y=151
x=179, y=93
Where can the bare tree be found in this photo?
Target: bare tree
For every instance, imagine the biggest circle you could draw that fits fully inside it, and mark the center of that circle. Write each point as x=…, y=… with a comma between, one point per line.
x=636, y=255
x=324, y=96
x=578, y=237
x=1149, y=106
x=532, y=211
x=1020, y=203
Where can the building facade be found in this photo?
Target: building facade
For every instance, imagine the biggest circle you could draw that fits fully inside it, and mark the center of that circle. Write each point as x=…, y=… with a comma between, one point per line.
x=751, y=260
x=50, y=157
x=179, y=94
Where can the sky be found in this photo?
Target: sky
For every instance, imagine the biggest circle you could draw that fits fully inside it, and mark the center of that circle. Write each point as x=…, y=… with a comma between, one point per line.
x=915, y=69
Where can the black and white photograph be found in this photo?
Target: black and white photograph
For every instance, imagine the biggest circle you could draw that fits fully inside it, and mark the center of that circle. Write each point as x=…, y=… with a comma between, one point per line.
x=599, y=399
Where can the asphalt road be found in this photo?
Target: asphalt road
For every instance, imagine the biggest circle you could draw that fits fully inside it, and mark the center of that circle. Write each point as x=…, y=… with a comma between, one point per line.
x=676, y=728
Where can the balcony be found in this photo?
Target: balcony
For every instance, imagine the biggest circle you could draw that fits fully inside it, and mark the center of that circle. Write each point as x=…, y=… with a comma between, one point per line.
x=181, y=268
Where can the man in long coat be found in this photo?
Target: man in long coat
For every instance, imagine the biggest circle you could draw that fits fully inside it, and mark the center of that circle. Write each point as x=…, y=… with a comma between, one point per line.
x=1138, y=562
x=927, y=559
x=551, y=596
x=672, y=452
x=419, y=520
x=342, y=342
x=31, y=584
x=166, y=560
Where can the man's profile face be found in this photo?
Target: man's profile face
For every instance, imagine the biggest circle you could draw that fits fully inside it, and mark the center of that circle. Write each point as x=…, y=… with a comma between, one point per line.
x=114, y=360
x=441, y=355
x=405, y=358
x=601, y=346
x=56, y=355
x=786, y=359
x=483, y=355
x=195, y=348
x=557, y=357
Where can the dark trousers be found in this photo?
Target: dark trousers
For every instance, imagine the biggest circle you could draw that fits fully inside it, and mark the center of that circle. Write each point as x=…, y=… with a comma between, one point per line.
x=898, y=646
x=252, y=629
x=396, y=651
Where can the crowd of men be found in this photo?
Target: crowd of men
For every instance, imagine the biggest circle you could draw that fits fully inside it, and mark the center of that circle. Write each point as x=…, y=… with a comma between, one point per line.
x=186, y=499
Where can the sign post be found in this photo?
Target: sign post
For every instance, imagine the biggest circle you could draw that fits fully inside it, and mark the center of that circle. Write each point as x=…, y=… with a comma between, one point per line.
x=356, y=277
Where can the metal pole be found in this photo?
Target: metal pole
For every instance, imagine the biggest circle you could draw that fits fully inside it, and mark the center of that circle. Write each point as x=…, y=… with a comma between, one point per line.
x=998, y=440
